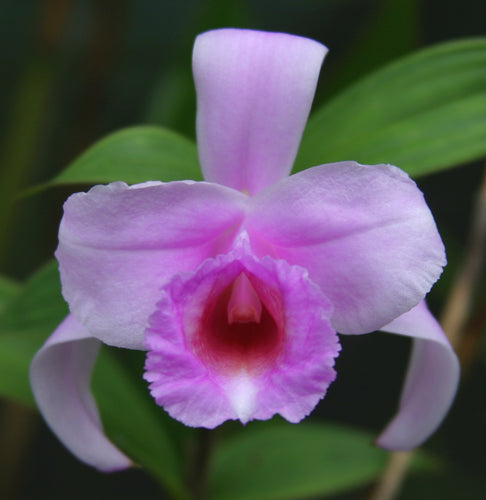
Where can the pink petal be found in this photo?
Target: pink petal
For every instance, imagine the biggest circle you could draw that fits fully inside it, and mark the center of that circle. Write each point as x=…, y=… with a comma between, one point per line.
x=60, y=376
x=364, y=233
x=204, y=369
x=255, y=91
x=119, y=245
x=431, y=381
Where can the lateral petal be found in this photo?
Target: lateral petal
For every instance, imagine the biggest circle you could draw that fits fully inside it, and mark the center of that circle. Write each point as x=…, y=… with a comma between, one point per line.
x=254, y=94
x=60, y=376
x=119, y=245
x=431, y=381
x=364, y=233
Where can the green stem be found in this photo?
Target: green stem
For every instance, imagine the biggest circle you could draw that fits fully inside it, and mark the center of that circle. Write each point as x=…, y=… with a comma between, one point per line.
x=201, y=464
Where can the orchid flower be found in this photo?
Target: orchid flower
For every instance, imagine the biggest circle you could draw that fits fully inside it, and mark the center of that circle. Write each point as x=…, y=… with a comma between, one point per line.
x=238, y=285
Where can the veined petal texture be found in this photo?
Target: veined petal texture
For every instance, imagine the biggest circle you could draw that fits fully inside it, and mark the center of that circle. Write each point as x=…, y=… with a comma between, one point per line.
x=254, y=94
x=60, y=376
x=431, y=381
x=364, y=233
x=118, y=245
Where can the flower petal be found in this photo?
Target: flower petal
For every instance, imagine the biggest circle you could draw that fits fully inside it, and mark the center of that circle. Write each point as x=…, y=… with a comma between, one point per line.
x=60, y=376
x=364, y=233
x=254, y=91
x=431, y=381
x=203, y=371
x=119, y=245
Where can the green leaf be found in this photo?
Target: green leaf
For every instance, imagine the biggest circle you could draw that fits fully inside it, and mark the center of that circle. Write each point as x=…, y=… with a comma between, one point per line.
x=134, y=155
x=16, y=353
x=289, y=461
x=136, y=424
x=423, y=113
x=8, y=289
x=25, y=323
x=39, y=307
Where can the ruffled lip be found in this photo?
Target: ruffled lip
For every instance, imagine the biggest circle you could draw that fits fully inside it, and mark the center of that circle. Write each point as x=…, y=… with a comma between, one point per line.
x=282, y=364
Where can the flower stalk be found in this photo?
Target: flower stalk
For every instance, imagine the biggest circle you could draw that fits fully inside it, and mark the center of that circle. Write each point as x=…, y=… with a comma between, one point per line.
x=199, y=475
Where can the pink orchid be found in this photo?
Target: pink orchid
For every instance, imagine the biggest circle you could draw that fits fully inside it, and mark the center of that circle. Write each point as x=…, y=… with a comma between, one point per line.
x=237, y=286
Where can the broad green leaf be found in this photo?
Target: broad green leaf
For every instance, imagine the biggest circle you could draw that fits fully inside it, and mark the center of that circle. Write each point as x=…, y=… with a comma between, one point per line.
x=293, y=461
x=136, y=423
x=39, y=307
x=25, y=323
x=134, y=155
x=423, y=113
x=8, y=289
x=16, y=353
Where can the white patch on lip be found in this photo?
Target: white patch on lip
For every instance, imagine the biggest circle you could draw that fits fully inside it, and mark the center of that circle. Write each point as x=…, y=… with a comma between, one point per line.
x=241, y=392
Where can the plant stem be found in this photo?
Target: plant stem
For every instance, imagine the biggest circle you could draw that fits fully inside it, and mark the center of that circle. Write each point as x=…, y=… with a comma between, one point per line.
x=201, y=463
x=393, y=476
x=19, y=424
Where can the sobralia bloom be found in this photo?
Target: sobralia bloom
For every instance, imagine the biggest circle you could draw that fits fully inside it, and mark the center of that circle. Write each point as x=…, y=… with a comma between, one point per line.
x=236, y=286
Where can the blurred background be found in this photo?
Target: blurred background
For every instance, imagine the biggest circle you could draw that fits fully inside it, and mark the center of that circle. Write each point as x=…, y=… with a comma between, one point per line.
x=75, y=70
